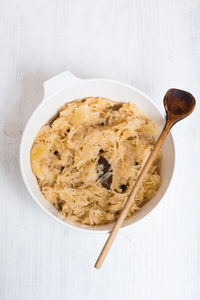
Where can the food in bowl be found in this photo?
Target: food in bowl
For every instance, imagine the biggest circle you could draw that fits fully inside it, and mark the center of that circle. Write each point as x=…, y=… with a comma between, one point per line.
x=88, y=158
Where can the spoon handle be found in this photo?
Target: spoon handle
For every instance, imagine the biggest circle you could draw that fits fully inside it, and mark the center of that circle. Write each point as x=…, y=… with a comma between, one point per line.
x=130, y=199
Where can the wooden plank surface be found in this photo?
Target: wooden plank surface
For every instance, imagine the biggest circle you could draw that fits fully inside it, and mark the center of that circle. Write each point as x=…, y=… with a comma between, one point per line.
x=153, y=45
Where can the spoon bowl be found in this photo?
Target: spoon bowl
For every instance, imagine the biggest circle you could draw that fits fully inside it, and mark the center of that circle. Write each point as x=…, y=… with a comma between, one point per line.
x=178, y=105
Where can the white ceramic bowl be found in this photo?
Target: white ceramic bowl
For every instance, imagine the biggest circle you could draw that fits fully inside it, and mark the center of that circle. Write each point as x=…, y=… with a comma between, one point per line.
x=66, y=87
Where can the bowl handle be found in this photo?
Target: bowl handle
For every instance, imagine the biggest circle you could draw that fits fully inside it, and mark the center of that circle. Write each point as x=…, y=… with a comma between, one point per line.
x=59, y=82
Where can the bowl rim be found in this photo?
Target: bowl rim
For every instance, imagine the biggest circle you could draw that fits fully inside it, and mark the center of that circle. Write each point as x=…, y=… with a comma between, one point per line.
x=44, y=101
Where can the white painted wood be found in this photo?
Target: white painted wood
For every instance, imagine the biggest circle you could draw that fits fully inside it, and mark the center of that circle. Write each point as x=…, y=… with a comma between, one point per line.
x=153, y=45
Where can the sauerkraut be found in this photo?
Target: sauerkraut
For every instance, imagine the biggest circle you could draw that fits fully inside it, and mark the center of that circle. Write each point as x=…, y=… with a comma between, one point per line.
x=88, y=158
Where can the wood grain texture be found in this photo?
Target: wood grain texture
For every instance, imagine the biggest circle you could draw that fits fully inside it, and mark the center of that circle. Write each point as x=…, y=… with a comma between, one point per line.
x=153, y=45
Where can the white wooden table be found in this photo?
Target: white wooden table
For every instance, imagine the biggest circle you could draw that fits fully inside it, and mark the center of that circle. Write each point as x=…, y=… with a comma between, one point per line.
x=153, y=45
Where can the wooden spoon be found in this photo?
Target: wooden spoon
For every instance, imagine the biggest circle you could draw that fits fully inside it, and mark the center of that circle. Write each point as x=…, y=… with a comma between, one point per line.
x=178, y=105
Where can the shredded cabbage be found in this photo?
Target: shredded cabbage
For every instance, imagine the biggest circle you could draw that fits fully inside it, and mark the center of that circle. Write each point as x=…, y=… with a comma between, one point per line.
x=87, y=160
